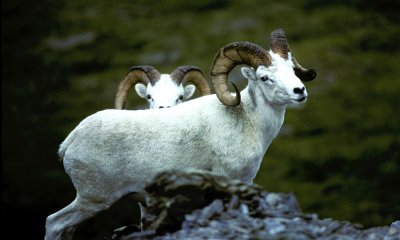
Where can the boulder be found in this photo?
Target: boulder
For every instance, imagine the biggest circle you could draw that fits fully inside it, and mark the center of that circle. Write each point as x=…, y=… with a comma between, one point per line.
x=204, y=205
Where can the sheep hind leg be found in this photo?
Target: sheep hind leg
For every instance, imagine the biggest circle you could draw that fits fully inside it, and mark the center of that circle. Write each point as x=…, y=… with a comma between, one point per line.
x=62, y=224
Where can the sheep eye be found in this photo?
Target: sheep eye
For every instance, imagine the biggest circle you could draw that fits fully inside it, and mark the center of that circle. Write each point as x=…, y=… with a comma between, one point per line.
x=181, y=97
x=148, y=96
x=265, y=78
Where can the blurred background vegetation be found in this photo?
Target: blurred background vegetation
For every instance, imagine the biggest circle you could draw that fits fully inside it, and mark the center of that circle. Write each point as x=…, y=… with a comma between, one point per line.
x=63, y=60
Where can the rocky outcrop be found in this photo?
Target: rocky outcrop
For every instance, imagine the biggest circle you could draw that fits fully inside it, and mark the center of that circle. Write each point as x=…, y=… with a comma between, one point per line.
x=202, y=205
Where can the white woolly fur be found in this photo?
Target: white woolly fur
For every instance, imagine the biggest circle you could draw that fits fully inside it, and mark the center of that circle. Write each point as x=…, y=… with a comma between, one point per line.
x=165, y=92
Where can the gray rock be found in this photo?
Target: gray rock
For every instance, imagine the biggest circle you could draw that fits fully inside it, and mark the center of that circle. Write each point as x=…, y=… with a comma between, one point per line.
x=202, y=205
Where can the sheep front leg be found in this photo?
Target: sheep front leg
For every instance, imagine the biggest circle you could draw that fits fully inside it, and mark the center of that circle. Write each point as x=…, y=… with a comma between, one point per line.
x=141, y=199
x=142, y=213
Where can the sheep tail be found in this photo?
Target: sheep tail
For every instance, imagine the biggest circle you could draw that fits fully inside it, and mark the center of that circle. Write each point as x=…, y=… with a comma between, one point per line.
x=65, y=144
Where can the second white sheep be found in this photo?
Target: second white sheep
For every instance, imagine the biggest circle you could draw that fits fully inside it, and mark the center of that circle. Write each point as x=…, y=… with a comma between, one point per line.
x=162, y=90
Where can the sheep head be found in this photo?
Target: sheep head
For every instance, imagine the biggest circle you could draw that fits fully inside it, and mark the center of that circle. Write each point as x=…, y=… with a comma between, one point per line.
x=162, y=90
x=272, y=67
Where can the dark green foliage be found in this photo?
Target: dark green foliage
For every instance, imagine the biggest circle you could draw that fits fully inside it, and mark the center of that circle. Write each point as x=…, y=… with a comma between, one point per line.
x=339, y=153
x=345, y=162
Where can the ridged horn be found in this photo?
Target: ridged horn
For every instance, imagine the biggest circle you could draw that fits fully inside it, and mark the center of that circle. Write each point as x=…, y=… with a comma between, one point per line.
x=193, y=74
x=144, y=74
x=279, y=45
x=226, y=59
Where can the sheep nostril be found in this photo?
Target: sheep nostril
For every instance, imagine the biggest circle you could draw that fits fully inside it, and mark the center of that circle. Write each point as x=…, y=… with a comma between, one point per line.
x=161, y=107
x=299, y=90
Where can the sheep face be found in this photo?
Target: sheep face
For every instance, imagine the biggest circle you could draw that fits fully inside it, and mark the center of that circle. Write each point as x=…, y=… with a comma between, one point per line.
x=278, y=81
x=165, y=92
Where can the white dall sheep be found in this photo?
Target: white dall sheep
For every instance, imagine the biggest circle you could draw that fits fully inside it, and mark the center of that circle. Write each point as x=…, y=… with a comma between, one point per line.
x=116, y=152
x=162, y=90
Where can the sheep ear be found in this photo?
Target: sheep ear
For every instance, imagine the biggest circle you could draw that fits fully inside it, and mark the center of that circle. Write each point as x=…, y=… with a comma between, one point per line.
x=249, y=73
x=141, y=90
x=189, y=91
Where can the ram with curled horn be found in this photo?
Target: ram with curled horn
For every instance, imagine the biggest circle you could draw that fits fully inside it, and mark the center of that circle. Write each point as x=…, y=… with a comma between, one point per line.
x=162, y=90
x=113, y=153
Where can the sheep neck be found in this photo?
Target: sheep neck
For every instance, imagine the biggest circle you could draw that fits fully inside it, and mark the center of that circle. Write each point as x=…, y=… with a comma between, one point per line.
x=265, y=117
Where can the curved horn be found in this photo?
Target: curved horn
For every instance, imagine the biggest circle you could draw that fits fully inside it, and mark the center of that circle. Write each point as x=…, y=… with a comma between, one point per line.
x=279, y=45
x=144, y=74
x=226, y=59
x=304, y=74
x=192, y=74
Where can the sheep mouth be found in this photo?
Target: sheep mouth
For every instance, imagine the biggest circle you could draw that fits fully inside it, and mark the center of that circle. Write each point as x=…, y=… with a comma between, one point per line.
x=300, y=99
